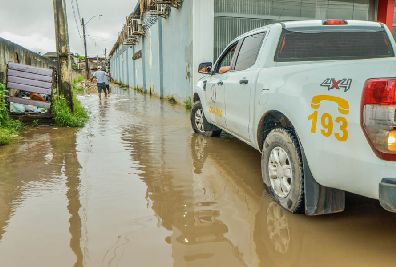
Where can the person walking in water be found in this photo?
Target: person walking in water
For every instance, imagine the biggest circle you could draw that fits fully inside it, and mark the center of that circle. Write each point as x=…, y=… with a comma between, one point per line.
x=108, y=77
x=101, y=78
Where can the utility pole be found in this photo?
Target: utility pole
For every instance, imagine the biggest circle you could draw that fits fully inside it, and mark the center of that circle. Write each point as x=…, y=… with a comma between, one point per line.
x=85, y=48
x=62, y=47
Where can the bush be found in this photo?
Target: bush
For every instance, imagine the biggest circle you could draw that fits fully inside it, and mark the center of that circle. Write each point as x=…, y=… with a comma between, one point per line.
x=64, y=117
x=78, y=89
x=9, y=132
x=188, y=103
x=9, y=129
x=3, y=108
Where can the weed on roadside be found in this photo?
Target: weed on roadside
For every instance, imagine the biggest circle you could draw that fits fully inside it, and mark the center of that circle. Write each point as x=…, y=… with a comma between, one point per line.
x=64, y=117
x=78, y=79
x=9, y=128
x=78, y=87
x=139, y=89
x=188, y=103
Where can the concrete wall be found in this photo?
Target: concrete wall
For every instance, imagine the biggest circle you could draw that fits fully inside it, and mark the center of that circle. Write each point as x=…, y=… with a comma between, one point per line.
x=172, y=49
x=203, y=35
x=178, y=46
x=151, y=52
x=11, y=52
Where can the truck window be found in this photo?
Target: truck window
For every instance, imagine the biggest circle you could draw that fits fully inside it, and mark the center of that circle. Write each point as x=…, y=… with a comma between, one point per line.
x=335, y=45
x=249, y=51
x=226, y=59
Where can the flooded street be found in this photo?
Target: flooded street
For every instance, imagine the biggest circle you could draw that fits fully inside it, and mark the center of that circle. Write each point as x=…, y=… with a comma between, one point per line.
x=135, y=187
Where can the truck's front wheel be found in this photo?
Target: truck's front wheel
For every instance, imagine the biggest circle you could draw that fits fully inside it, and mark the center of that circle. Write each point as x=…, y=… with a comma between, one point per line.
x=282, y=169
x=200, y=124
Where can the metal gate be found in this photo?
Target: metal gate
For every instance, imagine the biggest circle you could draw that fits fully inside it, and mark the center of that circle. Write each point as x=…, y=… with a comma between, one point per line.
x=234, y=17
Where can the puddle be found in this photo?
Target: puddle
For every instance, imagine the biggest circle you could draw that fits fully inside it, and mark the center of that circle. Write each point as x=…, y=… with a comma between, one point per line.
x=135, y=187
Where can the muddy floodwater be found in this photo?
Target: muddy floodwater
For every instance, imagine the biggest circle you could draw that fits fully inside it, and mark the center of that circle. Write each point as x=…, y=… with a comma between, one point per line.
x=136, y=187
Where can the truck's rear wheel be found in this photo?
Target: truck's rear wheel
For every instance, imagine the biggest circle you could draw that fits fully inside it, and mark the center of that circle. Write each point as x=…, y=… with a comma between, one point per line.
x=200, y=124
x=282, y=169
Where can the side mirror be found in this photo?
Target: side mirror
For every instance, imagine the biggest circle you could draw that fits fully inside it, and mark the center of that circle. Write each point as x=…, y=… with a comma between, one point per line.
x=205, y=68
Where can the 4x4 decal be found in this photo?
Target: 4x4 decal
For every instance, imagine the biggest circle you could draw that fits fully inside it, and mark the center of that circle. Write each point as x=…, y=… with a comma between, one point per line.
x=332, y=83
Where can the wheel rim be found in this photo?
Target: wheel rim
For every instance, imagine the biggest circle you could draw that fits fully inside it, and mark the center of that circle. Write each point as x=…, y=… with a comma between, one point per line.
x=280, y=172
x=199, y=120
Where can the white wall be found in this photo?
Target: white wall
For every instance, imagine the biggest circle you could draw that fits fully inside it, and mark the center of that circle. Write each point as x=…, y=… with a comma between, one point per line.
x=203, y=34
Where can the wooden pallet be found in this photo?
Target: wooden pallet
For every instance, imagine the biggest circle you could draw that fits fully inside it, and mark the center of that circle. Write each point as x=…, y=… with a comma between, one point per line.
x=33, y=80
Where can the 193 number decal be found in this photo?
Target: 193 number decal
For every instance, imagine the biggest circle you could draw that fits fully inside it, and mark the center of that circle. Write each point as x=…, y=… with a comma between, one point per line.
x=327, y=126
x=330, y=126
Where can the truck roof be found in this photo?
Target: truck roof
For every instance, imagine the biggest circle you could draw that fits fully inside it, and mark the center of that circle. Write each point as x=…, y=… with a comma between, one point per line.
x=319, y=23
x=292, y=25
x=311, y=25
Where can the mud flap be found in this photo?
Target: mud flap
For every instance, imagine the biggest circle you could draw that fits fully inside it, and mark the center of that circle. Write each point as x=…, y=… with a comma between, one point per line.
x=320, y=200
x=387, y=194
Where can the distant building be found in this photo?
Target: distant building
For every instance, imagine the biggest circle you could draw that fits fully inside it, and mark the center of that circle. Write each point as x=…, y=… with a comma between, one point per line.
x=95, y=62
x=51, y=56
x=54, y=57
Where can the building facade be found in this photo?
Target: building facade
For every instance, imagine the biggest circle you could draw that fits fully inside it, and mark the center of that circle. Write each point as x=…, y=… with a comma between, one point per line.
x=164, y=58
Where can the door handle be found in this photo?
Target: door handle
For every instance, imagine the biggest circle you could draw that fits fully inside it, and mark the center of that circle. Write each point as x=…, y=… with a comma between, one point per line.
x=220, y=83
x=244, y=81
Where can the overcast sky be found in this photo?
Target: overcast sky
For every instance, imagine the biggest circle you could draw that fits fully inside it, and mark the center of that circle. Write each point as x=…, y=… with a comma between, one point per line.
x=30, y=23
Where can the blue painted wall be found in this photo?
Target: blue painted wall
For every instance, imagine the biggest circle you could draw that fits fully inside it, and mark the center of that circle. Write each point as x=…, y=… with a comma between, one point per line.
x=178, y=52
x=152, y=60
x=165, y=68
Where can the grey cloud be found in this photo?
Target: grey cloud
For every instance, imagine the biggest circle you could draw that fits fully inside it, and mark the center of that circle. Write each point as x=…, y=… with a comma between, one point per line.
x=28, y=18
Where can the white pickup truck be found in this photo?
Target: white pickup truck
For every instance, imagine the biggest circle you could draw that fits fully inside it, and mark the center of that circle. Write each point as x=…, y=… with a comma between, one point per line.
x=318, y=100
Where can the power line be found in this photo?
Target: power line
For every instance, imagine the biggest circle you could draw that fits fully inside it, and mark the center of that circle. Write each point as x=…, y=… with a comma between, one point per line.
x=78, y=10
x=75, y=19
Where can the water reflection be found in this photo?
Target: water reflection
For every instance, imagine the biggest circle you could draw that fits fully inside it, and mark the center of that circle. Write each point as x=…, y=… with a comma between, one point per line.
x=72, y=173
x=38, y=164
x=214, y=202
x=150, y=193
x=181, y=204
x=278, y=238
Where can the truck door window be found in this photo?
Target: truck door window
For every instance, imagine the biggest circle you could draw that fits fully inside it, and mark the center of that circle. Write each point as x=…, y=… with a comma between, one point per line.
x=225, y=63
x=249, y=51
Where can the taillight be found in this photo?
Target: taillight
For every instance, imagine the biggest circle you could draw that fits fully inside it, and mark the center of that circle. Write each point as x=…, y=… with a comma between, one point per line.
x=335, y=22
x=378, y=116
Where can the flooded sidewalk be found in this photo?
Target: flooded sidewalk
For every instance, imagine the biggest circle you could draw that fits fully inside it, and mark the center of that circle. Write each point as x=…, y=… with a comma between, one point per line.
x=136, y=187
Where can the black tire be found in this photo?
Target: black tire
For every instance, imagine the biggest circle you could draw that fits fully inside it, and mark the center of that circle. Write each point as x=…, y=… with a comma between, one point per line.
x=281, y=140
x=206, y=128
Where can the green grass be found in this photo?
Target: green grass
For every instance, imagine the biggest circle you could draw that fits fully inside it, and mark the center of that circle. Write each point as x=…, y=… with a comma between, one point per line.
x=78, y=87
x=9, y=128
x=64, y=117
x=139, y=89
x=188, y=103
